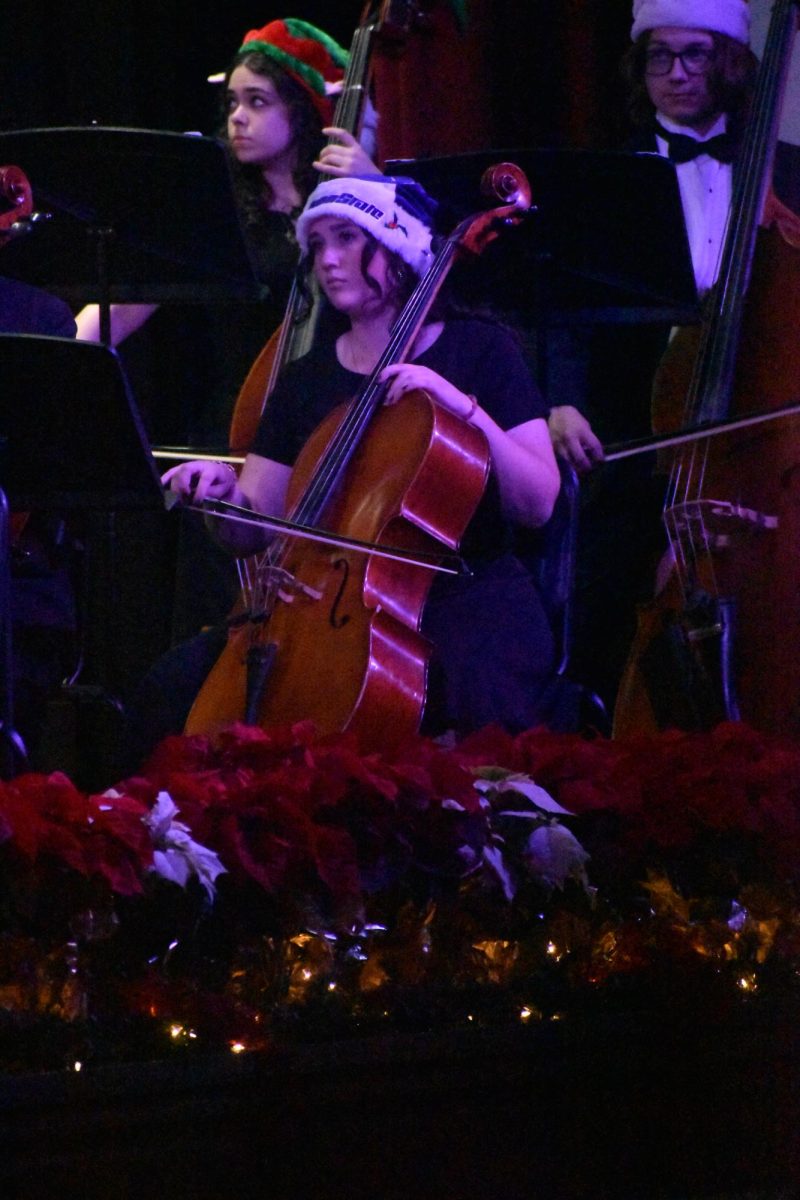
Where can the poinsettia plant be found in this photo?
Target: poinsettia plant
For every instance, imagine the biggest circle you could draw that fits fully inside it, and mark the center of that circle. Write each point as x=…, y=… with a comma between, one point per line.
x=321, y=827
x=62, y=850
x=548, y=865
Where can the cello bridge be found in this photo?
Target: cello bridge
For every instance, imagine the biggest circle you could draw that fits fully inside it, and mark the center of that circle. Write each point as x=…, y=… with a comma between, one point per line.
x=279, y=582
x=718, y=522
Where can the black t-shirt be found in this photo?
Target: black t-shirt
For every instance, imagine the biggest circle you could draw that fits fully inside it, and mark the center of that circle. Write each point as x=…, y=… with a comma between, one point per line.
x=476, y=356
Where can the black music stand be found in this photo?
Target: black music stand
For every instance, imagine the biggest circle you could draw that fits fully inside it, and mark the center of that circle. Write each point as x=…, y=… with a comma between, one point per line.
x=71, y=441
x=137, y=216
x=606, y=243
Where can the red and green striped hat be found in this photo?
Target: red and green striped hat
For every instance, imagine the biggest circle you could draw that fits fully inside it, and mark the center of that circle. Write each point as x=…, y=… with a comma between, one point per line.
x=310, y=56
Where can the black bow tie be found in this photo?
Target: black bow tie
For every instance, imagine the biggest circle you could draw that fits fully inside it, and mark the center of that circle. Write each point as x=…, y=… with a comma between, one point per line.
x=683, y=149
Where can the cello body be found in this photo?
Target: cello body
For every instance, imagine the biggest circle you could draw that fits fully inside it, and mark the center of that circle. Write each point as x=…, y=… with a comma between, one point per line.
x=343, y=644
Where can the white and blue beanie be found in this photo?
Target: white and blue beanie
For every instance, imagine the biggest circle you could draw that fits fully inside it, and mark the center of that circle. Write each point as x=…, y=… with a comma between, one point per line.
x=716, y=16
x=397, y=212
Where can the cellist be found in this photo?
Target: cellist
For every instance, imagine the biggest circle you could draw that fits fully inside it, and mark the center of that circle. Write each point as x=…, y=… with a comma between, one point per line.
x=367, y=240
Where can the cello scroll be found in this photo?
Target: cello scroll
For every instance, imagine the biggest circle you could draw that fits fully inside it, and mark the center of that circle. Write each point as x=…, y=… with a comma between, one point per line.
x=16, y=202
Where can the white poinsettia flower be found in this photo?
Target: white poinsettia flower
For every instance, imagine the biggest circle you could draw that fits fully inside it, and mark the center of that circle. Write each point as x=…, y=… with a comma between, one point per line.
x=555, y=855
x=493, y=857
x=176, y=855
x=495, y=781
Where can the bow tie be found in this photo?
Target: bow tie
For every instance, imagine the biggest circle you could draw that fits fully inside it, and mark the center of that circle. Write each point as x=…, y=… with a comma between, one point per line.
x=683, y=149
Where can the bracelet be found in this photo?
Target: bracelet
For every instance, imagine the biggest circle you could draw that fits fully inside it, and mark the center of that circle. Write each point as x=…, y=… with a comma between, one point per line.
x=473, y=404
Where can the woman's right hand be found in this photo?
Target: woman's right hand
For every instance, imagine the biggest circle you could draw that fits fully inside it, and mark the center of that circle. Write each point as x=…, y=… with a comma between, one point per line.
x=574, y=439
x=202, y=480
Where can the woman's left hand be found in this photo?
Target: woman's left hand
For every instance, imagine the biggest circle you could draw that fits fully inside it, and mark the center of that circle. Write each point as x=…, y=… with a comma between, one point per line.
x=344, y=156
x=409, y=377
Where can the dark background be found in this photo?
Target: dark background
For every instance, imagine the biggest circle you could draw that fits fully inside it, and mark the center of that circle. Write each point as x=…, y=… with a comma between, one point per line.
x=550, y=66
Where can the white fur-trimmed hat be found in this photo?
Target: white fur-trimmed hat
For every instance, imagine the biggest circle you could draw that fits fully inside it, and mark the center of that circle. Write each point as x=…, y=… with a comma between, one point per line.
x=718, y=16
x=397, y=212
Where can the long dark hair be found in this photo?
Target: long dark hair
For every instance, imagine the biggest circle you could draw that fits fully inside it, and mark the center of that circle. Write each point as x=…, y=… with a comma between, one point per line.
x=253, y=192
x=731, y=80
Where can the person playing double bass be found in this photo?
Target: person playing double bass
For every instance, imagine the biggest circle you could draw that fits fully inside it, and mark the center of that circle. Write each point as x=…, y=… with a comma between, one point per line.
x=367, y=241
x=690, y=73
x=691, y=76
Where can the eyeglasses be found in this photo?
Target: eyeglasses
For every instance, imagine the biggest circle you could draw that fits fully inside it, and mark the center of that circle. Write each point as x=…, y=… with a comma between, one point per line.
x=695, y=60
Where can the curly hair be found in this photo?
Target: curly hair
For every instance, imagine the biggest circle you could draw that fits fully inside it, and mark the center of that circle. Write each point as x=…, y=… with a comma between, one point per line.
x=731, y=79
x=253, y=191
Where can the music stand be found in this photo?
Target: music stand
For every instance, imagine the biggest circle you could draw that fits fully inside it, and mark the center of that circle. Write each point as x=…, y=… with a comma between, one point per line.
x=137, y=216
x=71, y=440
x=607, y=242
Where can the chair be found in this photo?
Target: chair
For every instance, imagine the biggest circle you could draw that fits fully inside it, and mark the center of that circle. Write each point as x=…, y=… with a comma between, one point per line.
x=549, y=553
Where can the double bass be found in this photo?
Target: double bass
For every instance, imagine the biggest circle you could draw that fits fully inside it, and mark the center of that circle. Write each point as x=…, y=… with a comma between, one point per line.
x=335, y=634
x=721, y=641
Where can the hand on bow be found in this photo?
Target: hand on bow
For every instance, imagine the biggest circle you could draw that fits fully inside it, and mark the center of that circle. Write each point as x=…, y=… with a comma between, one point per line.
x=202, y=480
x=574, y=439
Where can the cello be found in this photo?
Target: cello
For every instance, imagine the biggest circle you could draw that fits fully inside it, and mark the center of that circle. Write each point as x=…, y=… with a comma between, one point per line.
x=335, y=637
x=721, y=641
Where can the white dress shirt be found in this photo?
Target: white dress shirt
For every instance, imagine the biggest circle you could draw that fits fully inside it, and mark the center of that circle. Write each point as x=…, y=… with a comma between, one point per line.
x=705, y=187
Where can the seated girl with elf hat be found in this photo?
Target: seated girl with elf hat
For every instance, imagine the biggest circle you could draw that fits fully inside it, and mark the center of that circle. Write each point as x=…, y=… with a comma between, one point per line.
x=279, y=99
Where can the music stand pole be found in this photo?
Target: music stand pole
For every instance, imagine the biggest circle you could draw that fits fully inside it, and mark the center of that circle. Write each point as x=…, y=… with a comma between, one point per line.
x=12, y=748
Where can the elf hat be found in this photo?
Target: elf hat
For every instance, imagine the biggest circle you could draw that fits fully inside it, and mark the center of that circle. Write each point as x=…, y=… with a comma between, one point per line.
x=397, y=212
x=717, y=16
x=313, y=59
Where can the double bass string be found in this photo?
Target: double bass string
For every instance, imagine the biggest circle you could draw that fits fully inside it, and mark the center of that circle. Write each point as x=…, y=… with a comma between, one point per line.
x=710, y=388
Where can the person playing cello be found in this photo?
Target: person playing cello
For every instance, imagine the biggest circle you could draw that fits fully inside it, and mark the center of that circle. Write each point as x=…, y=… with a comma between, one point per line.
x=367, y=240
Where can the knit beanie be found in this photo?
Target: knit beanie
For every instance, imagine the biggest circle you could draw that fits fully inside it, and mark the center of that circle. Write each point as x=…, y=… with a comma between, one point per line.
x=312, y=58
x=397, y=212
x=717, y=16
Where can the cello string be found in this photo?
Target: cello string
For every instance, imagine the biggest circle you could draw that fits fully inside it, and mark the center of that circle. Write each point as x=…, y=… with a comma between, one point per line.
x=346, y=113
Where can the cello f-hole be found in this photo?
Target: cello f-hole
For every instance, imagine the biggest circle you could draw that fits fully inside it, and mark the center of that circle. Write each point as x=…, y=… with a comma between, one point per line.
x=339, y=621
